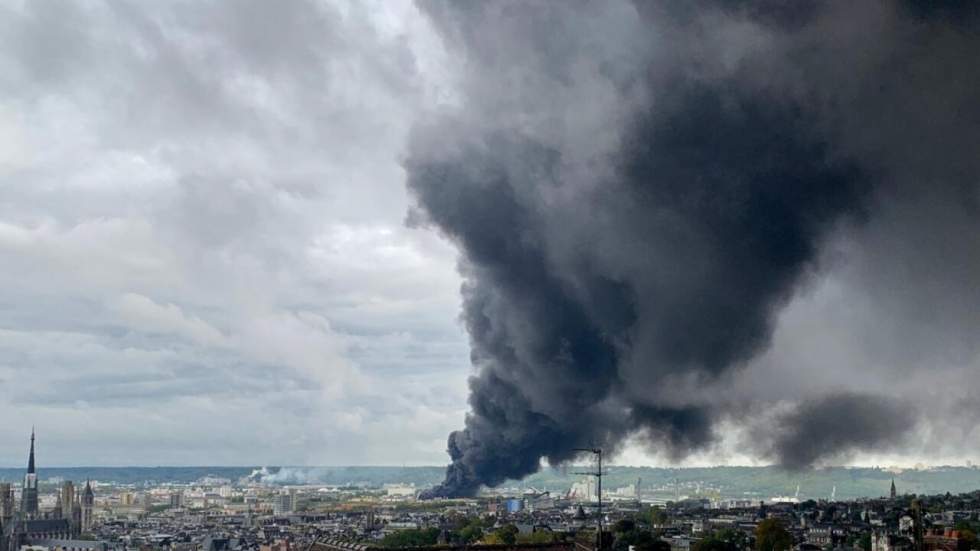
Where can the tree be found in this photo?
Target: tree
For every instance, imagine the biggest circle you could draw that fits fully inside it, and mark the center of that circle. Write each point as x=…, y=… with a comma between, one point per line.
x=504, y=535
x=540, y=536
x=968, y=536
x=771, y=535
x=658, y=517
x=713, y=543
x=411, y=538
x=864, y=542
x=736, y=538
x=968, y=530
x=625, y=525
x=471, y=533
x=728, y=539
x=627, y=535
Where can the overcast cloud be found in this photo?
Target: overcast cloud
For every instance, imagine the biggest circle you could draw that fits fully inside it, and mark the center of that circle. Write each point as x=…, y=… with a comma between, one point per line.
x=206, y=258
x=202, y=233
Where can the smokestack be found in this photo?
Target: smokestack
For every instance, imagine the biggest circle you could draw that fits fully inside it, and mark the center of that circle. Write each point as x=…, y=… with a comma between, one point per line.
x=636, y=192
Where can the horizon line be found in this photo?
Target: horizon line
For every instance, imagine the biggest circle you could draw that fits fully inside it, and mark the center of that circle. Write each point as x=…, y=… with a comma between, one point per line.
x=555, y=467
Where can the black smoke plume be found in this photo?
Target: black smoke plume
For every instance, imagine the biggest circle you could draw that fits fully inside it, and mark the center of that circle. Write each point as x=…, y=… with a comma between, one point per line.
x=837, y=424
x=637, y=191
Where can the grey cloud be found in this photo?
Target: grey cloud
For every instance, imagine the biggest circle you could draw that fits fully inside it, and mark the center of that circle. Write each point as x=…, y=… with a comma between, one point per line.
x=214, y=162
x=628, y=256
x=239, y=164
x=836, y=425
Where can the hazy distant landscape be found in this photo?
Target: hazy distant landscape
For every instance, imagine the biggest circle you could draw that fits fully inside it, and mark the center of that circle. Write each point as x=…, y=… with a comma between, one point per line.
x=762, y=482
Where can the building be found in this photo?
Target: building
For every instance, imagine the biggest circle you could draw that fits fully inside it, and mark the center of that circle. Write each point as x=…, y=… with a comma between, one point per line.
x=67, y=496
x=587, y=490
x=400, y=490
x=88, y=507
x=882, y=541
x=329, y=544
x=70, y=545
x=285, y=502
x=6, y=503
x=824, y=535
x=944, y=540
x=26, y=527
x=28, y=499
x=278, y=545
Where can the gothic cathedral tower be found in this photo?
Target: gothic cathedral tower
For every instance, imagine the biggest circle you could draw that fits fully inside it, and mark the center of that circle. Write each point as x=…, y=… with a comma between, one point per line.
x=28, y=503
x=88, y=504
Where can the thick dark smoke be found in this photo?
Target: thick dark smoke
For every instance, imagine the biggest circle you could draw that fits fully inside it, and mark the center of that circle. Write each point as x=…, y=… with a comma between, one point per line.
x=837, y=424
x=637, y=191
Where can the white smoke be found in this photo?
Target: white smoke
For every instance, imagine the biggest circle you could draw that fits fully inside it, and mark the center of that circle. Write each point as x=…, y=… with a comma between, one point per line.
x=287, y=475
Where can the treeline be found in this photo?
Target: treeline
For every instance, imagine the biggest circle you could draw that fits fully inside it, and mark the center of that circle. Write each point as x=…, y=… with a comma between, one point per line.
x=643, y=533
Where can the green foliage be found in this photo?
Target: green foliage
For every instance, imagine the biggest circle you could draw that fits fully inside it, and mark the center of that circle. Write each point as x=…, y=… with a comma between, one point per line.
x=655, y=545
x=471, y=533
x=506, y=535
x=658, y=517
x=728, y=539
x=411, y=538
x=627, y=534
x=968, y=531
x=737, y=538
x=968, y=535
x=469, y=529
x=624, y=525
x=712, y=543
x=864, y=542
x=771, y=535
x=541, y=536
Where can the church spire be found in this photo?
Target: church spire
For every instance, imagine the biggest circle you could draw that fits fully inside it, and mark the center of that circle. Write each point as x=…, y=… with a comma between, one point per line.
x=28, y=500
x=30, y=460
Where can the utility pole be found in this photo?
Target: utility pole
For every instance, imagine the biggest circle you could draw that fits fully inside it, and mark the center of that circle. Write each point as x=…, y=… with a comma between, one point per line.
x=598, y=474
x=917, y=531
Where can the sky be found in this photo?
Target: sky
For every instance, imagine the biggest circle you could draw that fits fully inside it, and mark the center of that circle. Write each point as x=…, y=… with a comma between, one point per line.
x=202, y=228
x=211, y=256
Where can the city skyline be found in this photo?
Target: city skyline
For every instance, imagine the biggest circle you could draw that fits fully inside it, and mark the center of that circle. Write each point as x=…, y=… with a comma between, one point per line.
x=264, y=512
x=23, y=502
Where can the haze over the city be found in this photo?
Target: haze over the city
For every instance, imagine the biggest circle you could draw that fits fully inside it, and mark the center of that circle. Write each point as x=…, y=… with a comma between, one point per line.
x=289, y=233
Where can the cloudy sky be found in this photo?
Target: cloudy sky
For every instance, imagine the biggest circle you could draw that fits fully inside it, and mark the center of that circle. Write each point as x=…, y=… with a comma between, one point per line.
x=209, y=253
x=202, y=232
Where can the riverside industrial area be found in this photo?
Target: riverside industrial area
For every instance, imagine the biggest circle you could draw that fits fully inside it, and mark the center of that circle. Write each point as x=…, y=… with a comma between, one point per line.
x=215, y=513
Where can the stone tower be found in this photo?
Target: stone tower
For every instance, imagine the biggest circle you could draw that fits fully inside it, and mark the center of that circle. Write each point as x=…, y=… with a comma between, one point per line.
x=28, y=501
x=88, y=504
x=67, y=498
x=6, y=503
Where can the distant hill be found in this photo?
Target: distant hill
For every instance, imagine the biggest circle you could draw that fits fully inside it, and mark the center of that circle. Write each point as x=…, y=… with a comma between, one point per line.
x=740, y=482
x=764, y=482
